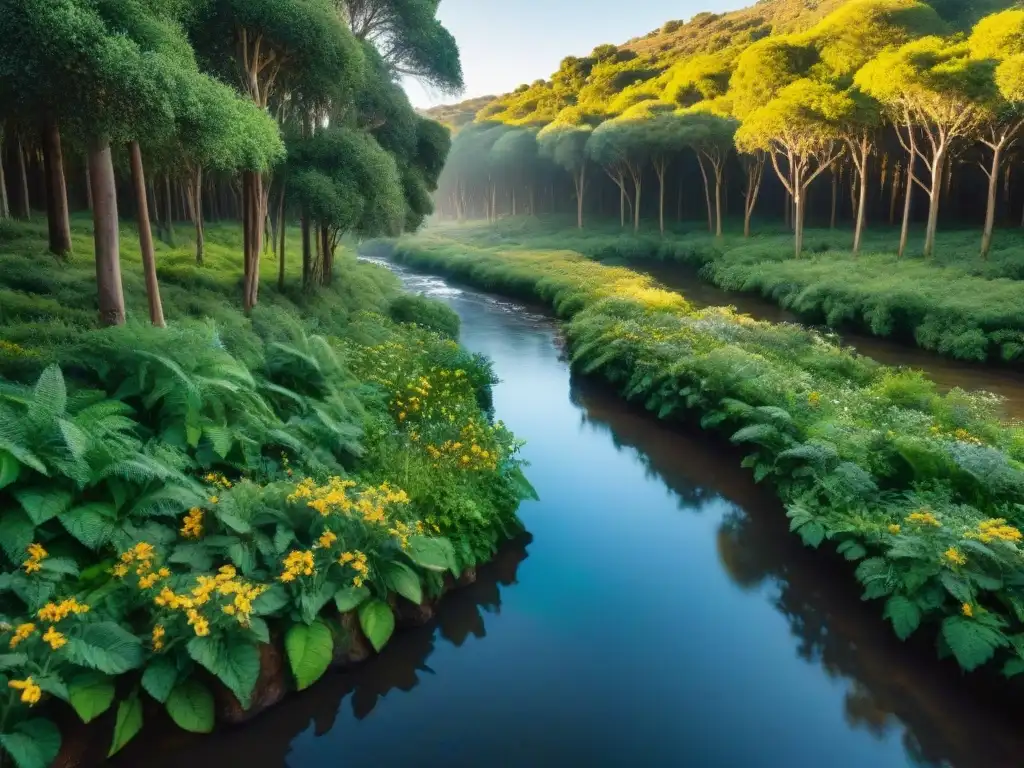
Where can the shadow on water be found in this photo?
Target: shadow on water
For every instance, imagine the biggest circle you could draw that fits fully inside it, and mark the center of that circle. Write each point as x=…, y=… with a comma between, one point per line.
x=944, y=718
x=267, y=741
x=944, y=371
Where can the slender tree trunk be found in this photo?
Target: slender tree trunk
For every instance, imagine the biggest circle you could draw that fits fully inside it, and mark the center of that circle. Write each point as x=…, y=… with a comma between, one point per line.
x=24, y=210
x=307, y=252
x=57, y=215
x=255, y=217
x=281, y=233
x=622, y=205
x=197, y=216
x=905, y=232
x=933, y=209
x=5, y=207
x=637, y=182
x=581, y=188
x=659, y=169
x=327, y=255
x=707, y=193
x=862, y=202
x=513, y=201
x=156, y=310
x=755, y=175
x=990, y=211
x=835, y=198
x=895, y=194
x=168, y=211
x=798, y=219
x=718, y=201
x=105, y=225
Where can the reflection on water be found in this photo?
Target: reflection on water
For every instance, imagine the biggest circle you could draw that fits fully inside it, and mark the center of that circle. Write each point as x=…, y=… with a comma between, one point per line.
x=946, y=372
x=664, y=616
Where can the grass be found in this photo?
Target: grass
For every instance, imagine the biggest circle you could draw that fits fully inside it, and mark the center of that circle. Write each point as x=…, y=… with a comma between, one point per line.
x=923, y=491
x=955, y=304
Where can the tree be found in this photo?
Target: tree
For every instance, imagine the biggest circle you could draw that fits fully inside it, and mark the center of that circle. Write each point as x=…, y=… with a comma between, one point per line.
x=565, y=144
x=935, y=90
x=711, y=135
x=513, y=156
x=620, y=146
x=753, y=166
x=799, y=126
x=858, y=127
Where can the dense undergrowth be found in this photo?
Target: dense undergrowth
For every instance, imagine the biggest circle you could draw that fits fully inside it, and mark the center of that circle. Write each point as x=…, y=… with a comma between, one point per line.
x=174, y=498
x=925, y=492
x=954, y=304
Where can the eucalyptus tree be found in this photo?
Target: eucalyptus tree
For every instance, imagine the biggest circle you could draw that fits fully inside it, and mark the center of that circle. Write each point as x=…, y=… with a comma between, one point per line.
x=276, y=50
x=711, y=134
x=1000, y=38
x=512, y=157
x=799, y=127
x=753, y=167
x=620, y=147
x=934, y=89
x=564, y=142
x=859, y=127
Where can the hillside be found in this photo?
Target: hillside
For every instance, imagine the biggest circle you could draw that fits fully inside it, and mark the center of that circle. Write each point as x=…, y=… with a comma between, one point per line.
x=681, y=61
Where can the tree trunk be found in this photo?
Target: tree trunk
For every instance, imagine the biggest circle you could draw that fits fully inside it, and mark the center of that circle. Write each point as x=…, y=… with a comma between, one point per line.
x=5, y=208
x=798, y=221
x=105, y=225
x=581, y=188
x=862, y=201
x=513, y=201
x=197, y=216
x=905, y=232
x=933, y=209
x=156, y=310
x=835, y=198
x=718, y=201
x=707, y=193
x=168, y=211
x=895, y=193
x=327, y=255
x=990, y=211
x=637, y=182
x=255, y=218
x=24, y=210
x=57, y=215
x=660, y=170
x=622, y=205
x=281, y=234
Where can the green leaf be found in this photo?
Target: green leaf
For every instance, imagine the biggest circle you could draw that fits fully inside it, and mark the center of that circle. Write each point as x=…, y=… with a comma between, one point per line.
x=62, y=565
x=43, y=504
x=434, y=554
x=524, y=490
x=128, y=724
x=104, y=646
x=16, y=533
x=91, y=695
x=957, y=587
x=271, y=601
x=904, y=615
x=12, y=660
x=349, y=598
x=403, y=580
x=10, y=469
x=196, y=555
x=234, y=663
x=92, y=524
x=54, y=686
x=972, y=643
x=32, y=743
x=378, y=622
x=813, y=533
x=1013, y=667
x=310, y=649
x=259, y=629
x=311, y=603
x=159, y=678
x=190, y=706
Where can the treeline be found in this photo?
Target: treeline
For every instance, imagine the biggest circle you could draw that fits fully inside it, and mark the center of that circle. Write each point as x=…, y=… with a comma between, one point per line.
x=887, y=110
x=255, y=110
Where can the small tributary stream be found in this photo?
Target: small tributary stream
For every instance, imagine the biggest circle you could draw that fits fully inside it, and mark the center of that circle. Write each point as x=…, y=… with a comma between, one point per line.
x=659, y=614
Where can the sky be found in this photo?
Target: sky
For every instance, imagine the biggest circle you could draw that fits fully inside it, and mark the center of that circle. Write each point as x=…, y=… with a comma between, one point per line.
x=504, y=44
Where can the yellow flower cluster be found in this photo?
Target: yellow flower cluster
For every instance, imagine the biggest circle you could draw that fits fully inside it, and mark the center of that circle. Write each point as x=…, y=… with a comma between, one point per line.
x=158, y=637
x=141, y=556
x=192, y=527
x=464, y=456
x=54, y=638
x=214, y=479
x=298, y=563
x=30, y=692
x=225, y=584
x=954, y=556
x=814, y=399
x=961, y=435
x=55, y=612
x=894, y=528
x=326, y=540
x=924, y=517
x=995, y=529
x=402, y=531
x=371, y=503
x=36, y=555
x=967, y=610
x=21, y=633
x=357, y=561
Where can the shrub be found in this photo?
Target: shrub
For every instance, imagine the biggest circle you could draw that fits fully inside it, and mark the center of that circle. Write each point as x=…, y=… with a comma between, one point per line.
x=430, y=314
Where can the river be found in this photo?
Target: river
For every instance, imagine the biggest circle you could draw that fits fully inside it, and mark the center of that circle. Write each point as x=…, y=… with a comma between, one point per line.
x=659, y=614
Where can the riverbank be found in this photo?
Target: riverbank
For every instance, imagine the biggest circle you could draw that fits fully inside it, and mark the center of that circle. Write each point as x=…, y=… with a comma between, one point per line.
x=904, y=481
x=202, y=517
x=955, y=305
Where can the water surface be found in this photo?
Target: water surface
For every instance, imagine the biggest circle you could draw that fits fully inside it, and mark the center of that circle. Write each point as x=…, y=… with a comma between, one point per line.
x=661, y=615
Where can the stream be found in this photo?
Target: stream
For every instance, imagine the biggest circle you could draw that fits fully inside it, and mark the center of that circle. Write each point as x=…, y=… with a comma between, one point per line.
x=659, y=613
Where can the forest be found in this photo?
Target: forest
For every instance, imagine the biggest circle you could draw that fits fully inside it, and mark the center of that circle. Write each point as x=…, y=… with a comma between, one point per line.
x=217, y=456
x=879, y=120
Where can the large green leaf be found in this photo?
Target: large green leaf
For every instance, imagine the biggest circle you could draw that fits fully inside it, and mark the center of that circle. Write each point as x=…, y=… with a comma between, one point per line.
x=92, y=524
x=42, y=504
x=16, y=533
x=378, y=622
x=91, y=695
x=32, y=743
x=403, y=580
x=104, y=646
x=271, y=601
x=159, y=678
x=311, y=603
x=128, y=724
x=904, y=615
x=310, y=649
x=12, y=660
x=348, y=598
x=10, y=469
x=971, y=642
x=234, y=663
x=190, y=706
x=434, y=554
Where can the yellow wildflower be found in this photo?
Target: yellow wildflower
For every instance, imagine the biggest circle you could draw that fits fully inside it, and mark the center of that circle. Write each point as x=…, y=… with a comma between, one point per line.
x=54, y=638
x=924, y=517
x=55, y=612
x=954, y=556
x=22, y=632
x=894, y=528
x=967, y=610
x=814, y=399
x=36, y=554
x=327, y=538
x=158, y=637
x=198, y=622
x=298, y=563
x=192, y=525
x=30, y=692
x=995, y=529
x=214, y=499
x=120, y=570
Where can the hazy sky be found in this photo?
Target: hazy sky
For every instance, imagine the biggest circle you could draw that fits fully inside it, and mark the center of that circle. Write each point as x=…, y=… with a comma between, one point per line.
x=504, y=43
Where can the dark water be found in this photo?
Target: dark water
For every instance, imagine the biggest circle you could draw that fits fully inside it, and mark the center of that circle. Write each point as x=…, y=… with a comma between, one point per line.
x=944, y=371
x=660, y=615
